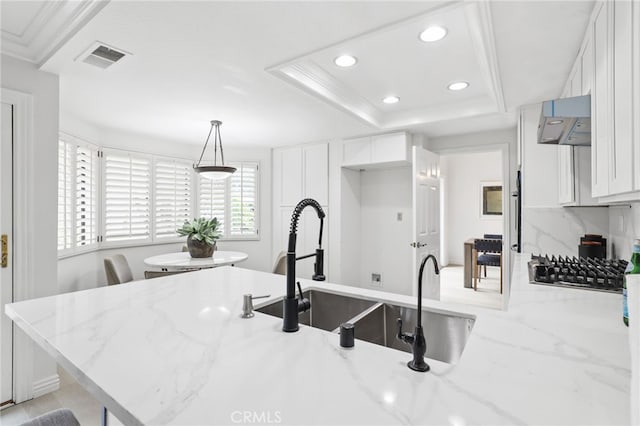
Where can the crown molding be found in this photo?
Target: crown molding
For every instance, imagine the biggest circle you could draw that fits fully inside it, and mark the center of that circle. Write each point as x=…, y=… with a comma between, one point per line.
x=312, y=78
x=49, y=29
x=481, y=27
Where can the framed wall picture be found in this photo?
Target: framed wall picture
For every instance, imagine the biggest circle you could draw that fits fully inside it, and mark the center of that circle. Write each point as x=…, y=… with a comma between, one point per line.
x=490, y=200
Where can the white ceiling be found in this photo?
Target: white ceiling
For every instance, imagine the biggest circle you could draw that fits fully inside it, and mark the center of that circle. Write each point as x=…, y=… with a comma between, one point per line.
x=196, y=61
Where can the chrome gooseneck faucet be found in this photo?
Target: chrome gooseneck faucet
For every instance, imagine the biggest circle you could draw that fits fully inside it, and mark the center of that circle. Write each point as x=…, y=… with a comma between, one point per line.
x=292, y=306
x=416, y=339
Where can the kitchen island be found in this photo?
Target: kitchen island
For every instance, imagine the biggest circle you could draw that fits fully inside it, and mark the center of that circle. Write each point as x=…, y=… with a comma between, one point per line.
x=174, y=350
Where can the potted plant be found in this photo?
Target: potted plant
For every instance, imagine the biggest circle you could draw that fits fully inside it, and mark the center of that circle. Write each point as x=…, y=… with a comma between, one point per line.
x=202, y=234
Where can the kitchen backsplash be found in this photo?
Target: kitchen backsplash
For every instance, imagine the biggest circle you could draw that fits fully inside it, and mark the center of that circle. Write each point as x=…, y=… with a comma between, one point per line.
x=624, y=226
x=557, y=231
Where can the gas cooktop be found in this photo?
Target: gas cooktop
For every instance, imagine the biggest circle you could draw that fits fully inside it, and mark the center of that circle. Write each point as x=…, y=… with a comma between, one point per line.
x=585, y=273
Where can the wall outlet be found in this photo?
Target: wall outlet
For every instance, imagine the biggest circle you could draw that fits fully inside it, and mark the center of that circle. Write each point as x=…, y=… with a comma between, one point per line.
x=376, y=280
x=399, y=216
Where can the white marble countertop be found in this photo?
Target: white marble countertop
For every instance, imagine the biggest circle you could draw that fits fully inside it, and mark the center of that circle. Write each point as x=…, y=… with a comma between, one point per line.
x=154, y=352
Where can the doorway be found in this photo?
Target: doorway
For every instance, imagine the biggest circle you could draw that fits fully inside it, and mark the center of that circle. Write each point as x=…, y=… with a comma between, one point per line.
x=6, y=270
x=474, y=197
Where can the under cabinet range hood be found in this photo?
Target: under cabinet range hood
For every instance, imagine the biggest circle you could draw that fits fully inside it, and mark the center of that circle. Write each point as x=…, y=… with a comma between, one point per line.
x=566, y=121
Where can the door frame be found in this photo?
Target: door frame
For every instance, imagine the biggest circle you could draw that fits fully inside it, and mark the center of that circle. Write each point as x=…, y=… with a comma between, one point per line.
x=508, y=186
x=23, y=218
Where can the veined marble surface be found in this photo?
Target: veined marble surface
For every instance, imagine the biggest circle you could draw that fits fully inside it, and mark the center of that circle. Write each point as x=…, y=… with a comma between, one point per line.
x=174, y=350
x=557, y=231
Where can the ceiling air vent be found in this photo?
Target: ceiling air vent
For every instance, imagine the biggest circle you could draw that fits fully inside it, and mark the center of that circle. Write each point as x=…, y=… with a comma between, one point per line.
x=102, y=55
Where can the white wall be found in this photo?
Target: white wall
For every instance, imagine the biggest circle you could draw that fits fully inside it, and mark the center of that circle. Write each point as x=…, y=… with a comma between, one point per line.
x=87, y=270
x=463, y=174
x=384, y=240
x=350, y=236
x=624, y=227
x=24, y=77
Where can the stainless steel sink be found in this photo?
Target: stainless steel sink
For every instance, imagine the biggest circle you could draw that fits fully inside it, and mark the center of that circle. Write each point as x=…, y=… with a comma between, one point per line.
x=375, y=322
x=446, y=334
x=328, y=310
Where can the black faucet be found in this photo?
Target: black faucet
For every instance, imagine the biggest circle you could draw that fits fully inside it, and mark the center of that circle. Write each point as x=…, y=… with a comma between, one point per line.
x=292, y=306
x=417, y=340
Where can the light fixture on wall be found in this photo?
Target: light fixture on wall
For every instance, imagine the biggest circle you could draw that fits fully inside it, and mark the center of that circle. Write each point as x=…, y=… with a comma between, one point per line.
x=216, y=171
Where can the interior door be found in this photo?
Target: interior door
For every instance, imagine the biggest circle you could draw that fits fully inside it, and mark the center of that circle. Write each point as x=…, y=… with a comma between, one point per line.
x=6, y=281
x=426, y=219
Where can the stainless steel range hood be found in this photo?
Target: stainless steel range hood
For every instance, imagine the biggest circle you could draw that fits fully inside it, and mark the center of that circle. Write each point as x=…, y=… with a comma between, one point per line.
x=566, y=121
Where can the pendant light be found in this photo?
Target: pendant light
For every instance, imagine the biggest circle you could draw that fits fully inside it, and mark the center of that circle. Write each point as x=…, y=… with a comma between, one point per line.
x=216, y=171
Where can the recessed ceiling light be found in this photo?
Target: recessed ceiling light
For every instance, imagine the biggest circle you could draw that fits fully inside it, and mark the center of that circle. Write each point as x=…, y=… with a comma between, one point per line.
x=556, y=122
x=345, y=61
x=391, y=100
x=458, y=85
x=434, y=33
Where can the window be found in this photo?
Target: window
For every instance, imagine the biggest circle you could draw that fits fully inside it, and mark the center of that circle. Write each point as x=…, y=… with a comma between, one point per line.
x=233, y=201
x=65, y=194
x=86, y=212
x=172, y=196
x=77, y=194
x=127, y=196
x=116, y=198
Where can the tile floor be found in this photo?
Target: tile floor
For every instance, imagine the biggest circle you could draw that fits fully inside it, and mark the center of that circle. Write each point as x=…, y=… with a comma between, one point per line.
x=452, y=288
x=70, y=395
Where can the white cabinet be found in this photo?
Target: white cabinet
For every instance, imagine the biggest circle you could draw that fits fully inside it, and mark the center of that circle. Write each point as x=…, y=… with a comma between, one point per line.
x=574, y=162
x=615, y=106
x=621, y=160
x=315, y=172
x=566, y=175
x=356, y=151
x=376, y=151
x=300, y=172
x=600, y=111
x=636, y=92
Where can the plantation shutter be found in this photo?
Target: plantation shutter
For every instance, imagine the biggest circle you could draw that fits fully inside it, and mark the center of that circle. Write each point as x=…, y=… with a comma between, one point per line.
x=172, y=196
x=65, y=194
x=212, y=200
x=127, y=191
x=86, y=186
x=243, y=190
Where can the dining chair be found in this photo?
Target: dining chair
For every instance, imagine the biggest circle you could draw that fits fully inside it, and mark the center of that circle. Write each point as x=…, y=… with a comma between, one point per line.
x=157, y=274
x=117, y=270
x=59, y=417
x=490, y=237
x=280, y=266
x=491, y=256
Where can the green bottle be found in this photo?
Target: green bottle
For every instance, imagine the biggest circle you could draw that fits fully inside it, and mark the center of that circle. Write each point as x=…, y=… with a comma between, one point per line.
x=632, y=268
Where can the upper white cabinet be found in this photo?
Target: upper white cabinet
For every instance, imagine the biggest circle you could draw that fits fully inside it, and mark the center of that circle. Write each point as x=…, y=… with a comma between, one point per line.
x=574, y=162
x=621, y=172
x=300, y=172
x=600, y=112
x=377, y=151
x=566, y=175
x=615, y=133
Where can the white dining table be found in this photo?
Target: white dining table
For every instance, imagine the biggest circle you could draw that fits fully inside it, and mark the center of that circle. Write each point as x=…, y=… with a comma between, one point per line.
x=183, y=260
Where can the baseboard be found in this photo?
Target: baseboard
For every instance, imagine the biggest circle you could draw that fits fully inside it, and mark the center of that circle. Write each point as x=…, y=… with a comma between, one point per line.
x=46, y=385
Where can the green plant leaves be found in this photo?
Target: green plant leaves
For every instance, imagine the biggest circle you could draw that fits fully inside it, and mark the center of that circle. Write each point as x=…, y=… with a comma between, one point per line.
x=201, y=229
